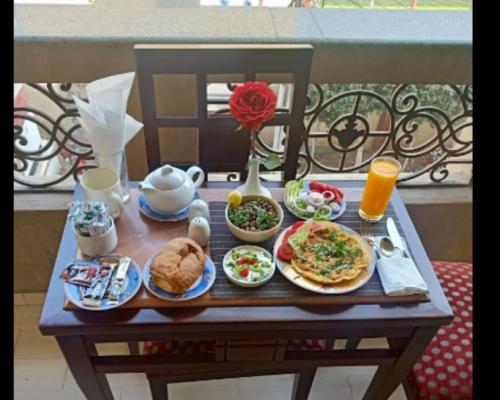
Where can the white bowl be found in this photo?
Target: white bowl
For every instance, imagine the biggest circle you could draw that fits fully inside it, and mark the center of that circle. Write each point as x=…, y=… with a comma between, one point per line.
x=244, y=283
x=255, y=236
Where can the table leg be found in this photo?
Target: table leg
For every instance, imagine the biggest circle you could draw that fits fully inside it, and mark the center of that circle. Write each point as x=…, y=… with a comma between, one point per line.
x=93, y=386
x=158, y=388
x=387, y=378
x=302, y=383
x=133, y=348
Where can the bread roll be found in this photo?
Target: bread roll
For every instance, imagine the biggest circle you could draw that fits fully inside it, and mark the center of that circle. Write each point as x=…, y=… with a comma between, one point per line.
x=178, y=265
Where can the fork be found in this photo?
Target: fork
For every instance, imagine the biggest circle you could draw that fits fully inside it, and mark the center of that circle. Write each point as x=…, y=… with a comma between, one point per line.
x=366, y=233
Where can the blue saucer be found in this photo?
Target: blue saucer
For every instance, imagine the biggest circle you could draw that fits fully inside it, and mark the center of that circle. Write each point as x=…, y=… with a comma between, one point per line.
x=202, y=284
x=150, y=213
x=132, y=286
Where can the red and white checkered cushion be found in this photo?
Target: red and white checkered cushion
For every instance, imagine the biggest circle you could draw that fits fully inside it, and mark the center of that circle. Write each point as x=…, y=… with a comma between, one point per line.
x=444, y=372
x=208, y=346
x=179, y=347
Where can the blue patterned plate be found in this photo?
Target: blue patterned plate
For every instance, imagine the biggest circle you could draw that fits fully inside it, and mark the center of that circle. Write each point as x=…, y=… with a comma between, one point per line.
x=157, y=216
x=202, y=284
x=333, y=216
x=131, y=287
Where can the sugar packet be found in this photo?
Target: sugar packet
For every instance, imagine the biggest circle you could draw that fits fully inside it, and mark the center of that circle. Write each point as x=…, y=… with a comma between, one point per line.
x=90, y=218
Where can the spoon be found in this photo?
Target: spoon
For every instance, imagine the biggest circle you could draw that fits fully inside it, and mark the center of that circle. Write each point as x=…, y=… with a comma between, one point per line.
x=386, y=246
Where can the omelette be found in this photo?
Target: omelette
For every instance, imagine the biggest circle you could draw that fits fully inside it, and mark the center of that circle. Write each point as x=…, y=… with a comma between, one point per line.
x=329, y=255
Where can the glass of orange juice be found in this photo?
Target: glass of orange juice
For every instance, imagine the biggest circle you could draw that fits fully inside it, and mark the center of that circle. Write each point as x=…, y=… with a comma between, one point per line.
x=381, y=180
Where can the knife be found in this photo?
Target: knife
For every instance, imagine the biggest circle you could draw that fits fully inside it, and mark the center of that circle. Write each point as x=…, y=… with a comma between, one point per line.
x=395, y=237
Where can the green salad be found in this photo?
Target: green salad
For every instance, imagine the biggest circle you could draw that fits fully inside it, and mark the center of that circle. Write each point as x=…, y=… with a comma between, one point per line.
x=249, y=266
x=254, y=215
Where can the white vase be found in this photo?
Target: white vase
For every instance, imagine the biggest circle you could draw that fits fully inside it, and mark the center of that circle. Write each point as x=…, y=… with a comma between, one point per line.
x=252, y=184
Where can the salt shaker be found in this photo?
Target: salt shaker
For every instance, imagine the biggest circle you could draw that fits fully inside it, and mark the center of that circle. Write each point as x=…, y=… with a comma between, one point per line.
x=199, y=208
x=199, y=231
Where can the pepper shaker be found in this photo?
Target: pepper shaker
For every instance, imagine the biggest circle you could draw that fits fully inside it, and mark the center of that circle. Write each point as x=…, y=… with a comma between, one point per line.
x=199, y=231
x=199, y=208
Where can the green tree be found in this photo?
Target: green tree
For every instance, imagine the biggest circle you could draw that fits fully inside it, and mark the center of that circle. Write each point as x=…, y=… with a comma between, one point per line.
x=442, y=97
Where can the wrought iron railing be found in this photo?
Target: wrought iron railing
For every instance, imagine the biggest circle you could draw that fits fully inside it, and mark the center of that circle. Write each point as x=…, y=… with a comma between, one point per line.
x=59, y=138
x=427, y=127
x=428, y=138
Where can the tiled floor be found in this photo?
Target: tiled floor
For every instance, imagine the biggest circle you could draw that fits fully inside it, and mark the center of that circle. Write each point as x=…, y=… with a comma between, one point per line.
x=40, y=373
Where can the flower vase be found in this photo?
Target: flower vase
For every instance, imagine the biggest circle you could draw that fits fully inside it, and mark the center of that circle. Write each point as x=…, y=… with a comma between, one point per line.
x=252, y=184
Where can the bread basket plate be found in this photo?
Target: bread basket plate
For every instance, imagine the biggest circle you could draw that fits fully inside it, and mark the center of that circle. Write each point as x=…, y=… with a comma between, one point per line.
x=333, y=216
x=343, y=287
x=131, y=286
x=260, y=252
x=147, y=211
x=201, y=285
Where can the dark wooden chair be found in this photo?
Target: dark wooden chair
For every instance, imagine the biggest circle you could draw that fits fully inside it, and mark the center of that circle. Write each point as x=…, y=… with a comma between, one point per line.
x=220, y=148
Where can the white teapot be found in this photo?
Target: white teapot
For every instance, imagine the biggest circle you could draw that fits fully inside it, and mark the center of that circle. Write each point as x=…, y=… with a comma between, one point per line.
x=169, y=190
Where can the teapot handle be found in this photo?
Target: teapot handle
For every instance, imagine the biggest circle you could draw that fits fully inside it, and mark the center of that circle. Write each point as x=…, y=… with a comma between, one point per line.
x=201, y=177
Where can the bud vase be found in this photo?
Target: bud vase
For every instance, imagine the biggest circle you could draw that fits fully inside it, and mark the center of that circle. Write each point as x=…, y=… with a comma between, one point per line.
x=252, y=184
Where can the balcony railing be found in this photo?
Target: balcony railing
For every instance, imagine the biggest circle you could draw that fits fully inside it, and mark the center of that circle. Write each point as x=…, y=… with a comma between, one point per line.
x=405, y=90
x=427, y=127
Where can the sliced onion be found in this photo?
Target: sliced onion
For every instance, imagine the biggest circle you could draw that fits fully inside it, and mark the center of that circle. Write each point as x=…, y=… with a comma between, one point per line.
x=328, y=195
x=315, y=199
x=327, y=212
x=296, y=204
x=335, y=207
x=303, y=194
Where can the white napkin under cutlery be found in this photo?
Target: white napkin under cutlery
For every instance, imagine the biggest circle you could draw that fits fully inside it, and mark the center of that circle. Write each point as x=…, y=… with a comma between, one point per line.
x=400, y=276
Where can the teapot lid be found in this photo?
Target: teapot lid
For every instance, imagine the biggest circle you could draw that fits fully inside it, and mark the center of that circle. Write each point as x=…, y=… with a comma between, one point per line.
x=167, y=178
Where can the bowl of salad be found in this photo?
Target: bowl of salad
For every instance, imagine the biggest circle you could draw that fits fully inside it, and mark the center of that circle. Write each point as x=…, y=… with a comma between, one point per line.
x=248, y=266
x=315, y=200
x=256, y=219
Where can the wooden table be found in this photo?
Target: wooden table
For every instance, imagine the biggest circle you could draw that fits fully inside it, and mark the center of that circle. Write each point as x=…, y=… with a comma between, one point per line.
x=409, y=327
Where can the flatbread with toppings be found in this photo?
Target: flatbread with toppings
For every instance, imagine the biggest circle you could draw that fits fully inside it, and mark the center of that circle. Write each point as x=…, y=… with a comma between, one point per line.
x=326, y=254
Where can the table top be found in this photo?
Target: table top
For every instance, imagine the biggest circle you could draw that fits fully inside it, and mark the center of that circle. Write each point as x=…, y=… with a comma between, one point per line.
x=55, y=320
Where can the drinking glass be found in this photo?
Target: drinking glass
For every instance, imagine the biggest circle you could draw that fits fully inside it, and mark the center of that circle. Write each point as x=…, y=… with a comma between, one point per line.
x=381, y=180
x=118, y=163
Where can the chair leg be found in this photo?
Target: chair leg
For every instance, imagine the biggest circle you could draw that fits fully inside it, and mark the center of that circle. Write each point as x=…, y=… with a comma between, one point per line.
x=302, y=383
x=352, y=344
x=407, y=388
x=133, y=348
x=159, y=390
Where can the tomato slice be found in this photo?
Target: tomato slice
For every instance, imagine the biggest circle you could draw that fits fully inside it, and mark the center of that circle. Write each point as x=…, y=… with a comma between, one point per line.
x=338, y=193
x=242, y=260
x=285, y=252
x=244, y=272
x=297, y=225
x=316, y=186
x=288, y=233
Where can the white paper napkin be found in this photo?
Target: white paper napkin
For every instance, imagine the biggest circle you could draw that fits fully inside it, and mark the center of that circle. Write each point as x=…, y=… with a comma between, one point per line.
x=400, y=276
x=106, y=125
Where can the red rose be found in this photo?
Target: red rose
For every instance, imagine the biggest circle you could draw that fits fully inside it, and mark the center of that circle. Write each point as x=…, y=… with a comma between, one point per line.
x=252, y=104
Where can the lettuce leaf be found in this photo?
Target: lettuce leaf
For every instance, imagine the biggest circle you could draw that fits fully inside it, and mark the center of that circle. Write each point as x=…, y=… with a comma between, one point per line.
x=300, y=235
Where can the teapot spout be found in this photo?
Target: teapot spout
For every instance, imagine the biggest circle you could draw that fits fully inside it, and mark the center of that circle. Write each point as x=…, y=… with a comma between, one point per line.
x=145, y=186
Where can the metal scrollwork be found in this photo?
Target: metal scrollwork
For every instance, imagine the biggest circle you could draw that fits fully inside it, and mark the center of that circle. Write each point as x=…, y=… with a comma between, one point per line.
x=52, y=139
x=354, y=141
x=345, y=128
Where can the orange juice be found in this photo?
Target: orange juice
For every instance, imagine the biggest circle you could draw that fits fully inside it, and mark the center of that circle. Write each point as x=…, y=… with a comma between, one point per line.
x=379, y=185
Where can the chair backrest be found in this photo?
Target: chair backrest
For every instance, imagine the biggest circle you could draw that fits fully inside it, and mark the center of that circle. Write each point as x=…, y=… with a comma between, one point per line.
x=220, y=149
